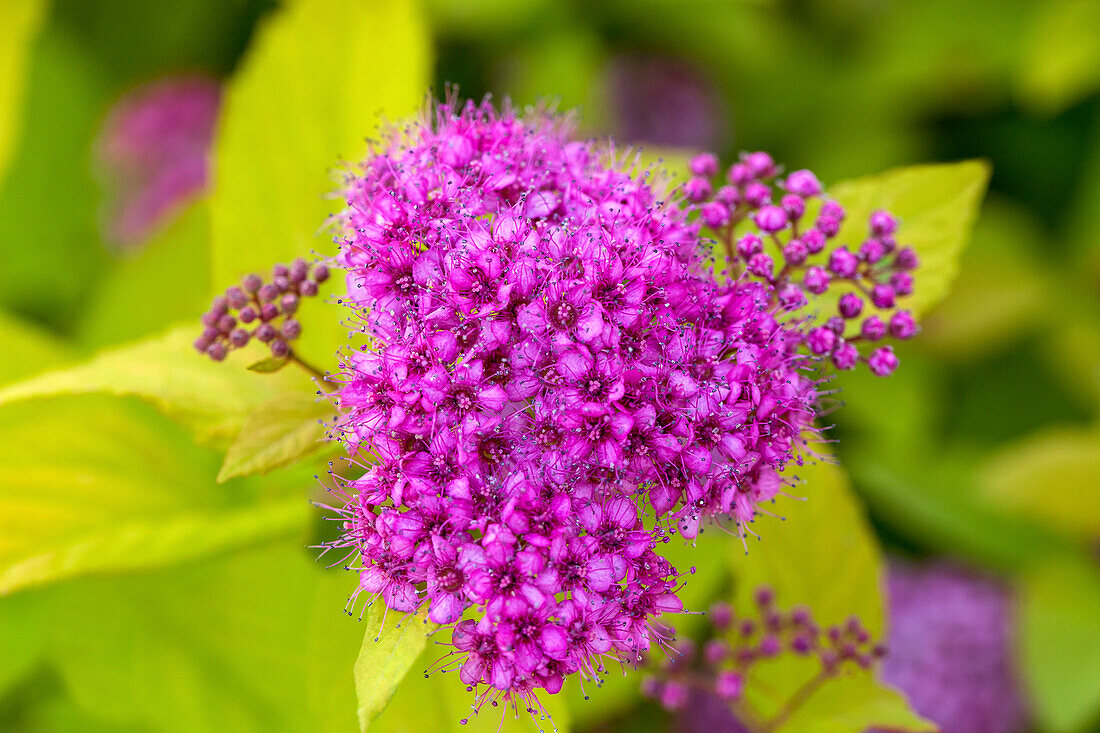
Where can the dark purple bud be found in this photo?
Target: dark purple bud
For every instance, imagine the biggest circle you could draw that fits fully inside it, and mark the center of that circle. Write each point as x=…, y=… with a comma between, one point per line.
x=247, y=314
x=236, y=297
x=715, y=215
x=292, y=329
x=721, y=614
x=801, y=645
x=289, y=303
x=673, y=695
x=299, y=271
x=804, y=183
x=265, y=332
x=749, y=245
x=770, y=646
x=202, y=343
x=739, y=175
x=795, y=206
x=883, y=361
x=850, y=305
x=902, y=325
x=219, y=305
x=226, y=323
x=320, y=273
x=210, y=318
x=883, y=223
x=791, y=297
x=846, y=356
x=729, y=196
x=814, y=240
x=828, y=226
x=715, y=652
x=902, y=282
x=821, y=340
x=252, y=282
x=760, y=164
x=835, y=324
x=280, y=271
x=872, y=251
x=873, y=328
x=729, y=685
x=833, y=210
x=268, y=311
x=216, y=351
x=758, y=194
x=906, y=259
x=764, y=596
x=281, y=282
x=770, y=219
x=308, y=288
x=762, y=266
x=816, y=280
x=843, y=263
x=882, y=296
x=698, y=189
x=704, y=164
x=747, y=627
x=279, y=348
x=268, y=293
x=239, y=337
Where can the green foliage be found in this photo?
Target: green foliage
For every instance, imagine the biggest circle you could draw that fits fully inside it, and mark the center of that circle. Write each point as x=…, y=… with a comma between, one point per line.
x=21, y=21
x=1061, y=59
x=391, y=644
x=937, y=204
x=279, y=432
x=311, y=89
x=166, y=282
x=96, y=486
x=30, y=349
x=213, y=399
x=1050, y=477
x=824, y=557
x=1060, y=646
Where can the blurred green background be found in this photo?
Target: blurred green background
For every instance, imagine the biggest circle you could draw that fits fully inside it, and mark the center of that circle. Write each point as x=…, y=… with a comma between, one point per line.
x=985, y=447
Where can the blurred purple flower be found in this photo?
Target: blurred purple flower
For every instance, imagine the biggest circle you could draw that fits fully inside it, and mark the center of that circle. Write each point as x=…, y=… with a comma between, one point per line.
x=664, y=102
x=153, y=147
x=950, y=648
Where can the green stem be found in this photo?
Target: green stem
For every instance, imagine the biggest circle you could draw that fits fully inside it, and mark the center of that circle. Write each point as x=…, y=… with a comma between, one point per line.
x=797, y=700
x=312, y=370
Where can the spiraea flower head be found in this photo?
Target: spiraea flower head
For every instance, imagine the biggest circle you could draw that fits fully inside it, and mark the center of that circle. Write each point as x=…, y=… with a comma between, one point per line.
x=951, y=648
x=554, y=383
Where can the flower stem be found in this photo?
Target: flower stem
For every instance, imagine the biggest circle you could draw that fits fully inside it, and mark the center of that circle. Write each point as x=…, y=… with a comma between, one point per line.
x=312, y=370
x=798, y=699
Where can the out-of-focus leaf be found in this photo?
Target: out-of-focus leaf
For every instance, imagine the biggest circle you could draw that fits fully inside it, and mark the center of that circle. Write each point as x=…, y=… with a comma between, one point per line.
x=21, y=22
x=855, y=704
x=825, y=557
x=310, y=91
x=1001, y=292
x=937, y=205
x=562, y=66
x=1051, y=477
x=49, y=236
x=30, y=349
x=166, y=282
x=250, y=641
x=385, y=658
x=1061, y=59
x=479, y=18
x=96, y=485
x=1060, y=643
x=269, y=365
x=277, y=433
x=212, y=398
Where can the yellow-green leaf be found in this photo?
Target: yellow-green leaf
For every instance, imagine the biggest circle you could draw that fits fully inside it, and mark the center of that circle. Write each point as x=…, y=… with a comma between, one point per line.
x=1051, y=477
x=21, y=21
x=854, y=704
x=311, y=90
x=1060, y=644
x=386, y=656
x=279, y=432
x=937, y=205
x=1060, y=63
x=212, y=398
x=96, y=485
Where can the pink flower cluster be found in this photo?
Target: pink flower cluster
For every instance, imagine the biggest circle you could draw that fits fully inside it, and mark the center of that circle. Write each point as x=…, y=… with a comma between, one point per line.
x=551, y=364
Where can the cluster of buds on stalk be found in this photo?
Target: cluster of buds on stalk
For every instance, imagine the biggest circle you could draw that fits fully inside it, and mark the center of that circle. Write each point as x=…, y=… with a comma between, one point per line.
x=722, y=665
x=260, y=310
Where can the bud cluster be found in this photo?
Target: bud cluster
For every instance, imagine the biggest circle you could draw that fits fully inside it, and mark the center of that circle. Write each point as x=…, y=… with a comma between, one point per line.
x=260, y=310
x=760, y=218
x=722, y=665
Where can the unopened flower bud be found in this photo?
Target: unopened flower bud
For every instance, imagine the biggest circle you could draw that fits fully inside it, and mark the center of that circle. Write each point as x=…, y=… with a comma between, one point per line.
x=704, y=164
x=216, y=351
x=883, y=361
x=288, y=303
x=236, y=297
x=843, y=263
x=308, y=288
x=729, y=685
x=873, y=329
x=850, y=305
x=749, y=245
x=770, y=219
x=883, y=223
x=821, y=340
x=846, y=356
x=804, y=183
x=268, y=293
x=265, y=332
x=239, y=337
x=292, y=329
x=816, y=280
x=906, y=259
x=252, y=282
x=902, y=325
x=279, y=348
x=698, y=189
x=882, y=296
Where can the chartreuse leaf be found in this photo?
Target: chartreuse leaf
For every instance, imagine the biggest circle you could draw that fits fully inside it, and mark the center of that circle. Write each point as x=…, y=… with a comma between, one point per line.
x=391, y=644
x=936, y=204
x=213, y=399
x=254, y=640
x=21, y=20
x=824, y=557
x=168, y=281
x=310, y=91
x=1061, y=59
x=279, y=432
x=30, y=348
x=96, y=485
x=1051, y=478
x=1060, y=645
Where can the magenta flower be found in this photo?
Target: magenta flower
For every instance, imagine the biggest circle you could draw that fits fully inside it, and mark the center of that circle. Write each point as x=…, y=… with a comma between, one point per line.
x=556, y=381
